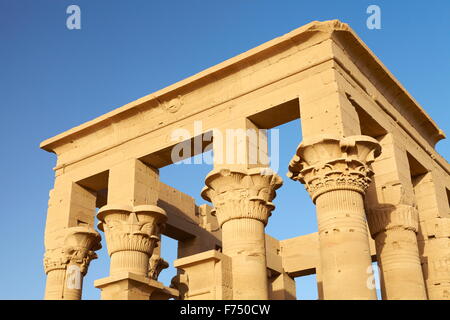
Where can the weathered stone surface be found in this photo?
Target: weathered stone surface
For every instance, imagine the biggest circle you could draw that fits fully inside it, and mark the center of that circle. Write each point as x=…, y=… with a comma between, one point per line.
x=367, y=159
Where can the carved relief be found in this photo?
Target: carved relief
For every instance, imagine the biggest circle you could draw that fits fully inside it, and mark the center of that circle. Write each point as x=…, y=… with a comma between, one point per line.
x=173, y=105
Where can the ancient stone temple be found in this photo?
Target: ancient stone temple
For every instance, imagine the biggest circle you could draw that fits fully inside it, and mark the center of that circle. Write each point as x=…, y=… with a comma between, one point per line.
x=367, y=160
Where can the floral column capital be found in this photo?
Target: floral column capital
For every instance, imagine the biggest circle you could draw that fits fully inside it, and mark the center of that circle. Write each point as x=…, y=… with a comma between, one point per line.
x=238, y=194
x=396, y=210
x=80, y=244
x=327, y=163
x=131, y=228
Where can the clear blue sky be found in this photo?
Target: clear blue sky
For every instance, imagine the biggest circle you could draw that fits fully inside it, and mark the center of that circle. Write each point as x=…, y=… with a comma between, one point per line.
x=52, y=79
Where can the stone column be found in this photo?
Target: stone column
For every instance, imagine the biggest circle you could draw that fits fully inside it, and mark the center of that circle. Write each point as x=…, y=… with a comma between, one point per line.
x=394, y=231
x=242, y=201
x=69, y=236
x=436, y=258
x=336, y=174
x=319, y=283
x=394, y=224
x=434, y=234
x=131, y=236
x=67, y=265
x=132, y=224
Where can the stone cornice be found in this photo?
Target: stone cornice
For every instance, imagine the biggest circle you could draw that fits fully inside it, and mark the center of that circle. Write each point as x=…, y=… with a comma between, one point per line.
x=216, y=72
x=167, y=98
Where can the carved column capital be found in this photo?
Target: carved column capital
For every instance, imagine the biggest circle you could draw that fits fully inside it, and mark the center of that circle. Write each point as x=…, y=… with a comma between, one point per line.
x=180, y=282
x=396, y=210
x=155, y=266
x=238, y=194
x=79, y=246
x=131, y=229
x=389, y=217
x=328, y=163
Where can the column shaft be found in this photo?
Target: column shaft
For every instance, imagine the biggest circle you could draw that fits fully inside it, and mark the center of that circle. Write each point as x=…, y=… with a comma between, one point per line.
x=243, y=241
x=434, y=235
x=398, y=259
x=129, y=261
x=393, y=222
x=435, y=245
x=54, y=287
x=344, y=245
x=437, y=268
x=242, y=204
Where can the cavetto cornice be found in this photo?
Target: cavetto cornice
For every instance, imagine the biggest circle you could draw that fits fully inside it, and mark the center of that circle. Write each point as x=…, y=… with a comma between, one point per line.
x=304, y=36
